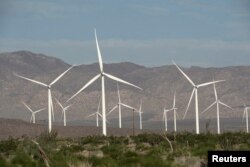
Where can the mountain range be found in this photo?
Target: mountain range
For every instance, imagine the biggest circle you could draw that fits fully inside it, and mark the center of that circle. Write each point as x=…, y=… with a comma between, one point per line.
x=158, y=83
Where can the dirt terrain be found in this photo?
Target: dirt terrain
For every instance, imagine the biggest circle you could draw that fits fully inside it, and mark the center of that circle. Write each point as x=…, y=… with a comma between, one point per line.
x=18, y=128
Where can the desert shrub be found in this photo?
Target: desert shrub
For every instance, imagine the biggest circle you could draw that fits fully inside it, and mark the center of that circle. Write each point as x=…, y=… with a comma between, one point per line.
x=92, y=139
x=47, y=137
x=153, y=139
x=150, y=161
x=114, y=151
x=9, y=145
x=22, y=159
x=3, y=162
x=103, y=162
x=117, y=140
x=58, y=159
x=129, y=159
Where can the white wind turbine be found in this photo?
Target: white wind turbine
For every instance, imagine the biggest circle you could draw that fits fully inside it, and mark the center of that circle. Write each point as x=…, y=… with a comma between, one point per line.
x=48, y=86
x=165, y=111
x=217, y=102
x=64, y=109
x=245, y=114
x=175, y=113
x=118, y=105
x=33, y=113
x=97, y=114
x=102, y=75
x=195, y=91
x=133, y=110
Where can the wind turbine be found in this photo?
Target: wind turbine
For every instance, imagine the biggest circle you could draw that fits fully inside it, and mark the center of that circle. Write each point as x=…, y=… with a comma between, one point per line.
x=165, y=111
x=175, y=113
x=102, y=75
x=217, y=102
x=48, y=86
x=118, y=105
x=33, y=113
x=64, y=109
x=133, y=110
x=245, y=114
x=195, y=91
x=97, y=114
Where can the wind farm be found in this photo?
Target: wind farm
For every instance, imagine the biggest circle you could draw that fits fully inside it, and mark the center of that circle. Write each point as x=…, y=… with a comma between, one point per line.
x=157, y=83
x=126, y=120
x=150, y=121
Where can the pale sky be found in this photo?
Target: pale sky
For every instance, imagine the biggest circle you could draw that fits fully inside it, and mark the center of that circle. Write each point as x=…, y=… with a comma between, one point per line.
x=147, y=32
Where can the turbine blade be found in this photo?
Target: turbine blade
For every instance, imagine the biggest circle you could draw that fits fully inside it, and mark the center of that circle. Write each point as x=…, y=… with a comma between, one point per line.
x=125, y=105
x=90, y=115
x=192, y=94
x=39, y=110
x=99, y=53
x=98, y=108
x=244, y=113
x=174, y=99
x=185, y=75
x=108, y=122
x=59, y=103
x=100, y=115
x=31, y=80
x=31, y=118
x=177, y=115
x=67, y=107
x=140, y=106
x=60, y=76
x=28, y=107
x=209, y=83
x=226, y=105
x=208, y=107
x=85, y=86
x=215, y=93
x=112, y=110
x=169, y=110
x=120, y=80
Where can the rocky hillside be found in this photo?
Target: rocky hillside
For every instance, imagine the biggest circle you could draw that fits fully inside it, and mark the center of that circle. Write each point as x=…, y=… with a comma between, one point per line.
x=158, y=83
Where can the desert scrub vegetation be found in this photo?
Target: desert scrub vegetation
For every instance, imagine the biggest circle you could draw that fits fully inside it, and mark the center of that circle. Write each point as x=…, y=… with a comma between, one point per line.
x=144, y=150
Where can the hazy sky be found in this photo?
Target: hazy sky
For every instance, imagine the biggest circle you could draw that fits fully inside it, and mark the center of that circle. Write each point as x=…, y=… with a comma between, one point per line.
x=146, y=32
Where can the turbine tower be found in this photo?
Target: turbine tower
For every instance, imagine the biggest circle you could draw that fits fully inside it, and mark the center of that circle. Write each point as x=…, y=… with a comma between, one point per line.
x=245, y=114
x=33, y=113
x=140, y=112
x=64, y=109
x=97, y=114
x=48, y=86
x=165, y=119
x=102, y=75
x=195, y=91
x=217, y=102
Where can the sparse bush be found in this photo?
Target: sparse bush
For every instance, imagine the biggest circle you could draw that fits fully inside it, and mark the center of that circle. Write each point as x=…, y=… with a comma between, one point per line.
x=22, y=159
x=139, y=151
x=48, y=137
x=9, y=145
